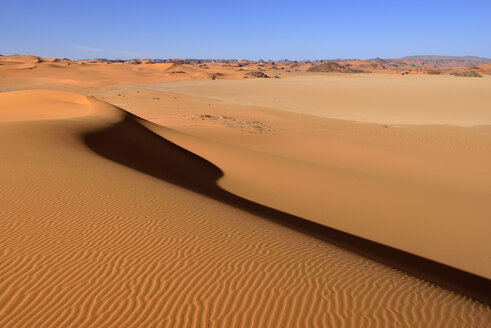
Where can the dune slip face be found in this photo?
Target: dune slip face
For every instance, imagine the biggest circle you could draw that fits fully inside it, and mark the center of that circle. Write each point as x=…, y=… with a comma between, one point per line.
x=422, y=188
x=132, y=238
x=150, y=154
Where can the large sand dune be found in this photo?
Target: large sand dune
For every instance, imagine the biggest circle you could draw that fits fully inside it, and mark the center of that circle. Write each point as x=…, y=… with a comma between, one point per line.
x=420, y=188
x=106, y=221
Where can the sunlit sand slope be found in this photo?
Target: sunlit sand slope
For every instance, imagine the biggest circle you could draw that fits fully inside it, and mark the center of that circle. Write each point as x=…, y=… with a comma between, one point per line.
x=378, y=98
x=88, y=242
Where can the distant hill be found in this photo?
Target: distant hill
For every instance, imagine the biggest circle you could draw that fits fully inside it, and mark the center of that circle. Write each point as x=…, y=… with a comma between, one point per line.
x=422, y=64
x=435, y=60
x=446, y=58
x=326, y=67
x=467, y=74
x=333, y=67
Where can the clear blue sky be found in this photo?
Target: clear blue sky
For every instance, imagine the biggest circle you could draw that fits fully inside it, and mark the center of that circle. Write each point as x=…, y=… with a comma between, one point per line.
x=245, y=29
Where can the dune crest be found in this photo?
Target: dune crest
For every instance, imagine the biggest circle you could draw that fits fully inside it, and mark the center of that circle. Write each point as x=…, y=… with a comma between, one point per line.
x=41, y=104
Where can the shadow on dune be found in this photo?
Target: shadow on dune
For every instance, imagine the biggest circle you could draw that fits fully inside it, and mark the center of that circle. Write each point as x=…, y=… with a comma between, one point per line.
x=133, y=145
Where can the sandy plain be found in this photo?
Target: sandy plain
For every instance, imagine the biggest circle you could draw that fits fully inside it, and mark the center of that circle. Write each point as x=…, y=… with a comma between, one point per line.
x=144, y=203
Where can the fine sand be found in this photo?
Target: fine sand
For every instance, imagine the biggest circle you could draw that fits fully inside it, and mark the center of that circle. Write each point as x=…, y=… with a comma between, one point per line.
x=172, y=217
x=378, y=98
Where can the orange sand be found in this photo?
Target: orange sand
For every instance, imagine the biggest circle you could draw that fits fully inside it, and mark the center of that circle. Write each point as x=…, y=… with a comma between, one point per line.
x=107, y=223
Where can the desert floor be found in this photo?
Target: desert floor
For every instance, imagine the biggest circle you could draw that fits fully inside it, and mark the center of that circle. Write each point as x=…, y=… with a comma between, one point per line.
x=160, y=204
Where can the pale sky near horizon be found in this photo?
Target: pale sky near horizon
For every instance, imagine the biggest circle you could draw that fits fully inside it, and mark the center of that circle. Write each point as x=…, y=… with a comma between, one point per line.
x=245, y=30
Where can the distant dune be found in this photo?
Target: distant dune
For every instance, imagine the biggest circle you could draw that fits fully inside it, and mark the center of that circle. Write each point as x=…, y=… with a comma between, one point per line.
x=42, y=71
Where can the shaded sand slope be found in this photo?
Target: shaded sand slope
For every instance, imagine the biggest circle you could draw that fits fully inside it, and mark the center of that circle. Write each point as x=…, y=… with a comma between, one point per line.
x=87, y=242
x=152, y=158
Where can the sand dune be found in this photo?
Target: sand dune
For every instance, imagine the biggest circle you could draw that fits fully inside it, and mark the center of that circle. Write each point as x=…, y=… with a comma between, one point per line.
x=102, y=226
x=20, y=59
x=370, y=197
x=28, y=71
x=407, y=186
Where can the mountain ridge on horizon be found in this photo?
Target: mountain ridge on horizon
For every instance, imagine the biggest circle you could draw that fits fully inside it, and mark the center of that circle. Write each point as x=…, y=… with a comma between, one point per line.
x=419, y=64
x=439, y=58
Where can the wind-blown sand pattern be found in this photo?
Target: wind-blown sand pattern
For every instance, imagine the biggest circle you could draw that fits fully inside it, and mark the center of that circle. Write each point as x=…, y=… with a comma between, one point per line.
x=117, y=241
